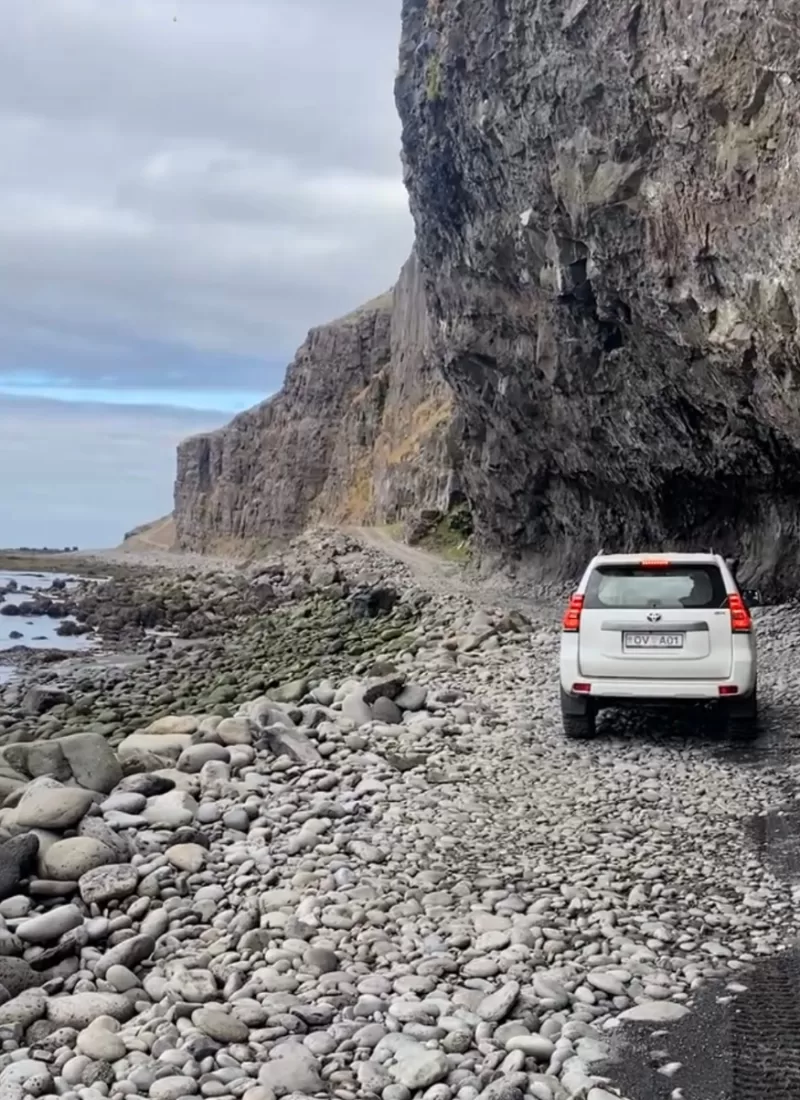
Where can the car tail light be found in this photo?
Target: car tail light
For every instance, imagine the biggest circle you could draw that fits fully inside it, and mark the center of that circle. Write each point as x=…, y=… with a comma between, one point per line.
x=741, y=622
x=572, y=616
x=728, y=689
x=582, y=689
x=656, y=563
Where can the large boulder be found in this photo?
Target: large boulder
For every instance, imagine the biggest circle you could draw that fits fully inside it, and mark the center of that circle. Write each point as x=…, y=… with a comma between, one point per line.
x=38, y=700
x=291, y=692
x=24, y=1009
x=93, y=762
x=235, y=731
x=50, y=926
x=47, y=804
x=99, y=829
x=16, y=975
x=39, y=758
x=110, y=882
x=67, y=860
x=16, y=857
x=12, y=782
x=162, y=744
x=173, y=809
x=79, y=1009
x=175, y=724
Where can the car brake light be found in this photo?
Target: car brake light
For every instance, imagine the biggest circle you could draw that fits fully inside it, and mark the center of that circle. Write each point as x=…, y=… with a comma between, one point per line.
x=656, y=563
x=581, y=688
x=572, y=616
x=741, y=622
x=728, y=689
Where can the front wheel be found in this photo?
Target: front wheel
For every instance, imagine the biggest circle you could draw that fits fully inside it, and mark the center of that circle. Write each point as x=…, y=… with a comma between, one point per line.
x=579, y=727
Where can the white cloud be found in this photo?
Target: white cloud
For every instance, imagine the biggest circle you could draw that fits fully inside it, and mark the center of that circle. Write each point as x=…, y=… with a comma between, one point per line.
x=215, y=184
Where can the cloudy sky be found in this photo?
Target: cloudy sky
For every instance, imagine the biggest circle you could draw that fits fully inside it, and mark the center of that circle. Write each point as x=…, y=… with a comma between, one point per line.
x=186, y=187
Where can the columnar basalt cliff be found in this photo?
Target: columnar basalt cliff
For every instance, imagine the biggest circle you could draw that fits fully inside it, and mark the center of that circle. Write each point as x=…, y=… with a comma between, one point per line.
x=359, y=433
x=605, y=197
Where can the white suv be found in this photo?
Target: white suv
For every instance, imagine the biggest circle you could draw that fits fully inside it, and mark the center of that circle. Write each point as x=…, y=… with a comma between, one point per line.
x=647, y=629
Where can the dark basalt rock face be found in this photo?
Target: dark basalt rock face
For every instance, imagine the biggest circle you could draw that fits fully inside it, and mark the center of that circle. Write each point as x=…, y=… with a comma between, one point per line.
x=606, y=203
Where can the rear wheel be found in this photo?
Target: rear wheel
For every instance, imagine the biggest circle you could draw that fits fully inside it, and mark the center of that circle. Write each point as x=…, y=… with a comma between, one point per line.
x=742, y=722
x=742, y=727
x=579, y=727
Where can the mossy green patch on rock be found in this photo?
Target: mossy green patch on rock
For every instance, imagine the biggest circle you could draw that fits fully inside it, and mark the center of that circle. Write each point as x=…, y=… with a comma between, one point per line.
x=450, y=537
x=278, y=651
x=433, y=79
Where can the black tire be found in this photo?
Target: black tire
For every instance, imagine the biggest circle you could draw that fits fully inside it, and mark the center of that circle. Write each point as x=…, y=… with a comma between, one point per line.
x=579, y=727
x=742, y=725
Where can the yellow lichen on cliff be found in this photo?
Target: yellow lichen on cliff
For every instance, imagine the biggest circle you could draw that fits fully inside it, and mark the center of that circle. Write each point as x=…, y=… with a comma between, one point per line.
x=358, y=500
x=400, y=443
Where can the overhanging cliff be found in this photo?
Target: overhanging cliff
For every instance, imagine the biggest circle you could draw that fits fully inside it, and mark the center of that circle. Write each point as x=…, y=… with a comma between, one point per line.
x=605, y=198
x=359, y=433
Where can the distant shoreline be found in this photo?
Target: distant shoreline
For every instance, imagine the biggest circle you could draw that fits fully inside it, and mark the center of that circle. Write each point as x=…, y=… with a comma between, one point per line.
x=48, y=561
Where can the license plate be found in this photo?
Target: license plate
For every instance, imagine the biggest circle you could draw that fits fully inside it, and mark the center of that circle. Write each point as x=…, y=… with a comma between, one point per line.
x=651, y=640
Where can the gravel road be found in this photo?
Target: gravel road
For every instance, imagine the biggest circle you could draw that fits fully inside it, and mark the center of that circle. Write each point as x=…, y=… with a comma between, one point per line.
x=403, y=883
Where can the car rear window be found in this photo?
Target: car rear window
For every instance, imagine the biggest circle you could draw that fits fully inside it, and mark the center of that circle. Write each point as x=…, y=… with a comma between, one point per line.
x=671, y=586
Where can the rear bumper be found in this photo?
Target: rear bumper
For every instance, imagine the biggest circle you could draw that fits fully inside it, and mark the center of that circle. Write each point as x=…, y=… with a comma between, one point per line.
x=612, y=691
x=618, y=693
x=689, y=691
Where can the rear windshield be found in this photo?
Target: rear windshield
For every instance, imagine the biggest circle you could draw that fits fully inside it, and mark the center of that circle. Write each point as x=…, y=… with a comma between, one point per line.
x=674, y=586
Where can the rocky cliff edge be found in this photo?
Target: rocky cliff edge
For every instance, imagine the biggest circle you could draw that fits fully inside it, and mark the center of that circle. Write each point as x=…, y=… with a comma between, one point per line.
x=605, y=198
x=360, y=433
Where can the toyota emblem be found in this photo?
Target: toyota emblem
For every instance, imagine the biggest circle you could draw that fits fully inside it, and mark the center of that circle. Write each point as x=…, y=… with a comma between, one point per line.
x=654, y=617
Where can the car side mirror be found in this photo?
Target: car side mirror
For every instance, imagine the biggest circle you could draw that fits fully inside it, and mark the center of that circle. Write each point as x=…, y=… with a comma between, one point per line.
x=752, y=597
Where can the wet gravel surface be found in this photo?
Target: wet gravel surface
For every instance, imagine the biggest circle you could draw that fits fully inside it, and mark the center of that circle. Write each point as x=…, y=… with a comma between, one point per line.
x=742, y=1038
x=738, y=1043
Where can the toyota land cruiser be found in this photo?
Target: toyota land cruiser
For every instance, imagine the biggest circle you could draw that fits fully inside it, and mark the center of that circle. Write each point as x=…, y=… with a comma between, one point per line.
x=645, y=629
